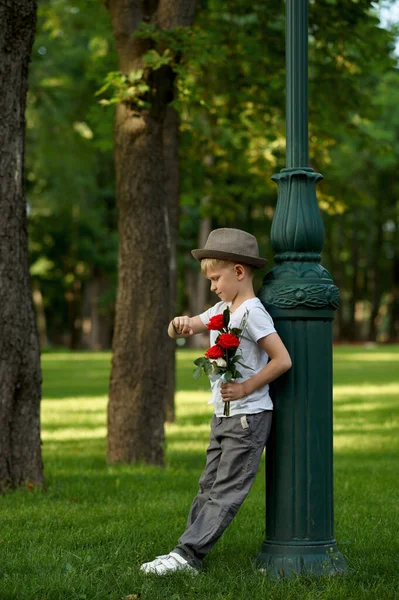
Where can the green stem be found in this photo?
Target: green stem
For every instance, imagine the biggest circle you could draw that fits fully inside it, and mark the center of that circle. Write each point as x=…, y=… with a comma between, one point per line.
x=226, y=410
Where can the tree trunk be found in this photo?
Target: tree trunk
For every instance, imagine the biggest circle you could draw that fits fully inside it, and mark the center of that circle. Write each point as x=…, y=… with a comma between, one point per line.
x=393, y=328
x=94, y=342
x=376, y=270
x=74, y=303
x=41, y=322
x=139, y=374
x=354, y=287
x=96, y=326
x=20, y=374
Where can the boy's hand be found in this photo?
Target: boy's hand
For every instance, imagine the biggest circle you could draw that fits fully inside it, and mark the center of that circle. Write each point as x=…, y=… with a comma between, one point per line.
x=232, y=391
x=182, y=326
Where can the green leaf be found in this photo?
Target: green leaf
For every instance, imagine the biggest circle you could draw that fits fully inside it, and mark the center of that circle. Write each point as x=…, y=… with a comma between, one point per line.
x=200, y=361
x=155, y=61
x=135, y=75
x=197, y=373
x=207, y=367
x=236, y=358
x=226, y=317
x=228, y=376
x=243, y=365
x=237, y=331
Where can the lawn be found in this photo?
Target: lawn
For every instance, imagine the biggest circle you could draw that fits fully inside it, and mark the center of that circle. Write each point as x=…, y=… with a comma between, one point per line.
x=85, y=536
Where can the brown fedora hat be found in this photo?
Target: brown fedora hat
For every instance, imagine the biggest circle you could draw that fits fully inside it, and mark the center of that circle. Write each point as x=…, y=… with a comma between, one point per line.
x=231, y=244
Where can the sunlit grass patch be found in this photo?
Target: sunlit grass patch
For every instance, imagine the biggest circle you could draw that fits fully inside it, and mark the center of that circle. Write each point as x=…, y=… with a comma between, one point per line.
x=368, y=391
x=84, y=537
x=369, y=357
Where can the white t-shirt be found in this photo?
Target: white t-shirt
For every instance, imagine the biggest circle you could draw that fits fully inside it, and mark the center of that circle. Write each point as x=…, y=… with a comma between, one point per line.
x=259, y=324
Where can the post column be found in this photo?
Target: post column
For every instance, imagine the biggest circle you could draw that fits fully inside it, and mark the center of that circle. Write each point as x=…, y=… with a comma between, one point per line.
x=301, y=297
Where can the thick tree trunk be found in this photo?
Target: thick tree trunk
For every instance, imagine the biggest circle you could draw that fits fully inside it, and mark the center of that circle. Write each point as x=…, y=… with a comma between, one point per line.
x=139, y=375
x=20, y=374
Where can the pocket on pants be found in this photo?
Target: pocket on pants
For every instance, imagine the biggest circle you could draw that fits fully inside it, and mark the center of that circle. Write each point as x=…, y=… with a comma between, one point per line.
x=259, y=426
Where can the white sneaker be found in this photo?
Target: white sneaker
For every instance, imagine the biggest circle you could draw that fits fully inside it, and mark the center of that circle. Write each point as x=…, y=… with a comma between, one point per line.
x=168, y=563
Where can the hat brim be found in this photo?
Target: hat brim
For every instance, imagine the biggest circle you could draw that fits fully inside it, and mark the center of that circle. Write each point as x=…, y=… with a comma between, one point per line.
x=201, y=253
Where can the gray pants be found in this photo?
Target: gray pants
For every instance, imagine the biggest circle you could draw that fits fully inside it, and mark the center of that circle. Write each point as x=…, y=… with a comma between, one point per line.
x=235, y=448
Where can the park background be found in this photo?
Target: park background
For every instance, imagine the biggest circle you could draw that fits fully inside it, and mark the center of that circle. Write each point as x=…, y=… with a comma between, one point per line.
x=231, y=103
x=85, y=534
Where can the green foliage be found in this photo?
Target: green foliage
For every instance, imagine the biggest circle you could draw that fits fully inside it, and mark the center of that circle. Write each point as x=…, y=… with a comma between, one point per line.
x=69, y=161
x=129, y=88
x=182, y=49
x=230, y=80
x=226, y=320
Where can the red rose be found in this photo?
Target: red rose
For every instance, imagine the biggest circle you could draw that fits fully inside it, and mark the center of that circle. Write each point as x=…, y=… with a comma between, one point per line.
x=214, y=352
x=216, y=322
x=228, y=340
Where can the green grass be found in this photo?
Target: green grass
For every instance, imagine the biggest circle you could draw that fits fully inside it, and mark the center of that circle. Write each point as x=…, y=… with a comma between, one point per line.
x=85, y=536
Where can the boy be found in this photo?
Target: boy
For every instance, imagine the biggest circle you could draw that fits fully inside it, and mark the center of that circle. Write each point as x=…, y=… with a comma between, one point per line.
x=237, y=441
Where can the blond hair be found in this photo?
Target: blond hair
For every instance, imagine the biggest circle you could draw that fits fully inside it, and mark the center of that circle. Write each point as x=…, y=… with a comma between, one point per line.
x=219, y=263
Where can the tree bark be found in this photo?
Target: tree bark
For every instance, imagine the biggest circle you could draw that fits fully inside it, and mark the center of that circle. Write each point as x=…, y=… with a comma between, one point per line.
x=20, y=373
x=139, y=374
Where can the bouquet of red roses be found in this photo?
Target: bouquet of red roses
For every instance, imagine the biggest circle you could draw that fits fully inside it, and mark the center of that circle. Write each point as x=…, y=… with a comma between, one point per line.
x=222, y=358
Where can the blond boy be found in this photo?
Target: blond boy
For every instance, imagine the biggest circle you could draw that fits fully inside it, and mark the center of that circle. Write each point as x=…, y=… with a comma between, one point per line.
x=236, y=441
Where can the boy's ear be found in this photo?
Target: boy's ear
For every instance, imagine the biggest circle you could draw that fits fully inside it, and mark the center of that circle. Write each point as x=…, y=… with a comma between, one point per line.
x=240, y=271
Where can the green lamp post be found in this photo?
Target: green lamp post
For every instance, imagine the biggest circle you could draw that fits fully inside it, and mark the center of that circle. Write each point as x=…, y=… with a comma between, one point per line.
x=301, y=297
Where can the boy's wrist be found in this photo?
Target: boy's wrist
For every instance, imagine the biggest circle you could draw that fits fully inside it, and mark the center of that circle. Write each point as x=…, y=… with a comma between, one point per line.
x=178, y=332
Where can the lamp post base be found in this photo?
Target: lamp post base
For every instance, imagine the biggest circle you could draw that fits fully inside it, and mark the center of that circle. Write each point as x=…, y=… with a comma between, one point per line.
x=286, y=560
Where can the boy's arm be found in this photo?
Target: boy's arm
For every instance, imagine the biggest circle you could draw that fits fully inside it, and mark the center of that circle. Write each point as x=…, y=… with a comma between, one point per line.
x=186, y=326
x=278, y=364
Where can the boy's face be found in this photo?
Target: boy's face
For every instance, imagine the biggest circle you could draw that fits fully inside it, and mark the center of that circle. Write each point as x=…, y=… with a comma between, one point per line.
x=225, y=281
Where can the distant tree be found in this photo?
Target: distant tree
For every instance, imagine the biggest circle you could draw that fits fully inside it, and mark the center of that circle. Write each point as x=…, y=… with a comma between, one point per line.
x=20, y=373
x=70, y=175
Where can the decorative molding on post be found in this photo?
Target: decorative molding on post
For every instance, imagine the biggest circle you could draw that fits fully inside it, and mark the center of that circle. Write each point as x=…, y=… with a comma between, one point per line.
x=297, y=236
x=312, y=296
x=297, y=224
